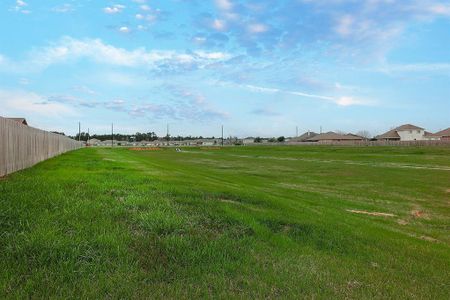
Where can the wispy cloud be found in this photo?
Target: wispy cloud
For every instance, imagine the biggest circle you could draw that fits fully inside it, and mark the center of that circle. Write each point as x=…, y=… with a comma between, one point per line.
x=18, y=103
x=418, y=67
x=114, y=9
x=339, y=100
x=69, y=50
x=21, y=7
x=63, y=8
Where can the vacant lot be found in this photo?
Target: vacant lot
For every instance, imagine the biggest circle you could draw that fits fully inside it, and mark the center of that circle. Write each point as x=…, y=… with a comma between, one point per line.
x=293, y=222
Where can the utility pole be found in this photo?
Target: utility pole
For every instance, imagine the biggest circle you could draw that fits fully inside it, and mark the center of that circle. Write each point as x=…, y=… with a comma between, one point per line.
x=168, y=132
x=222, y=135
x=320, y=129
x=296, y=131
x=88, y=138
x=79, y=131
x=112, y=134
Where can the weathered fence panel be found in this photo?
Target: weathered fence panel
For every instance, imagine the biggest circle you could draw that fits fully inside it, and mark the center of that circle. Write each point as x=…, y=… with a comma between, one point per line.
x=22, y=146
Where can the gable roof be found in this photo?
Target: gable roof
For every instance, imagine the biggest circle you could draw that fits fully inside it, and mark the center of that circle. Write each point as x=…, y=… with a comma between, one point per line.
x=304, y=137
x=408, y=127
x=335, y=136
x=445, y=132
x=391, y=134
x=20, y=120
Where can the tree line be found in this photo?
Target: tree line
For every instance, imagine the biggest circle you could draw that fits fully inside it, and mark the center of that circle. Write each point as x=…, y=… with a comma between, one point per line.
x=137, y=137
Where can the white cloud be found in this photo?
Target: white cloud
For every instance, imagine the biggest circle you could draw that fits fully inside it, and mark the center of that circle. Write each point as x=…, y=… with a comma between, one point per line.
x=348, y=101
x=257, y=28
x=69, y=50
x=341, y=101
x=64, y=8
x=345, y=25
x=124, y=29
x=224, y=4
x=21, y=3
x=149, y=17
x=114, y=9
x=23, y=103
x=218, y=24
x=84, y=90
x=20, y=7
x=440, y=9
x=212, y=55
x=145, y=7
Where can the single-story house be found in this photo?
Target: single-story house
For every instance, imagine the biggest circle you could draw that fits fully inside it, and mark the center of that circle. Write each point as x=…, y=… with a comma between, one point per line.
x=334, y=137
x=431, y=136
x=443, y=135
x=304, y=137
x=19, y=120
x=94, y=142
x=248, y=140
x=405, y=132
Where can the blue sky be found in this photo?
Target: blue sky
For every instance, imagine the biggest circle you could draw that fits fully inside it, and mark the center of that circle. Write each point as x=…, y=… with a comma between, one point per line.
x=260, y=68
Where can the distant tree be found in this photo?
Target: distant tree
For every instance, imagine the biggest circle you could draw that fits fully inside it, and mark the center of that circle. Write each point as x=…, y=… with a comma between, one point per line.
x=365, y=134
x=60, y=133
x=272, y=140
x=257, y=140
x=82, y=137
x=281, y=139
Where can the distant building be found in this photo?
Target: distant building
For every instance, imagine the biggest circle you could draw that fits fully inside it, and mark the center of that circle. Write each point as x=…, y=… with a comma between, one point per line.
x=19, y=120
x=431, y=137
x=330, y=137
x=94, y=142
x=443, y=135
x=405, y=132
x=304, y=137
x=248, y=140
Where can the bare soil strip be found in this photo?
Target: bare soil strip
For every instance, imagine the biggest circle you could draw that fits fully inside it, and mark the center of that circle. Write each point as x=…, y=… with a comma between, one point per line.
x=370, y=213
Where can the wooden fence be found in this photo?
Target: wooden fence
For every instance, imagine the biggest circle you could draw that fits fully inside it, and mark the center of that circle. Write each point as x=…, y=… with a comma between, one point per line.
x=375, y=143
x=22, y=146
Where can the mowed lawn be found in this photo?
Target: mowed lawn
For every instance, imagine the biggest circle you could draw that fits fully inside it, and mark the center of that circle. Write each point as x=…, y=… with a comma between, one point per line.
x=243, y=222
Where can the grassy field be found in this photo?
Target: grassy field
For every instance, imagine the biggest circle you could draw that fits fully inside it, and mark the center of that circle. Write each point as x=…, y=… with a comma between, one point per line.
x=291, y=222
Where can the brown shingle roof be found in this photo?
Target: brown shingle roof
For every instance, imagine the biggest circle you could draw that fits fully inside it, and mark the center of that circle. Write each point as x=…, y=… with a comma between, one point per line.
x=333, y=136
x=445, y=132
x=391, y=134
x=408, y=127
x=304, y=137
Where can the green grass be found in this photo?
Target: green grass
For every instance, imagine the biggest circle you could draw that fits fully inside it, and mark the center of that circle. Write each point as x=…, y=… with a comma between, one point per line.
x=250, y=222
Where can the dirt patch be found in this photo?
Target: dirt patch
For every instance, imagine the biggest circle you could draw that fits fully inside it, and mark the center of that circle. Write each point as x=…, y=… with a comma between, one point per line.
x=402, y=222
x=229, y=201
x=145, y=149
x=448, y=191
x=419, y=214
x=370, y=213
x=427, y=238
